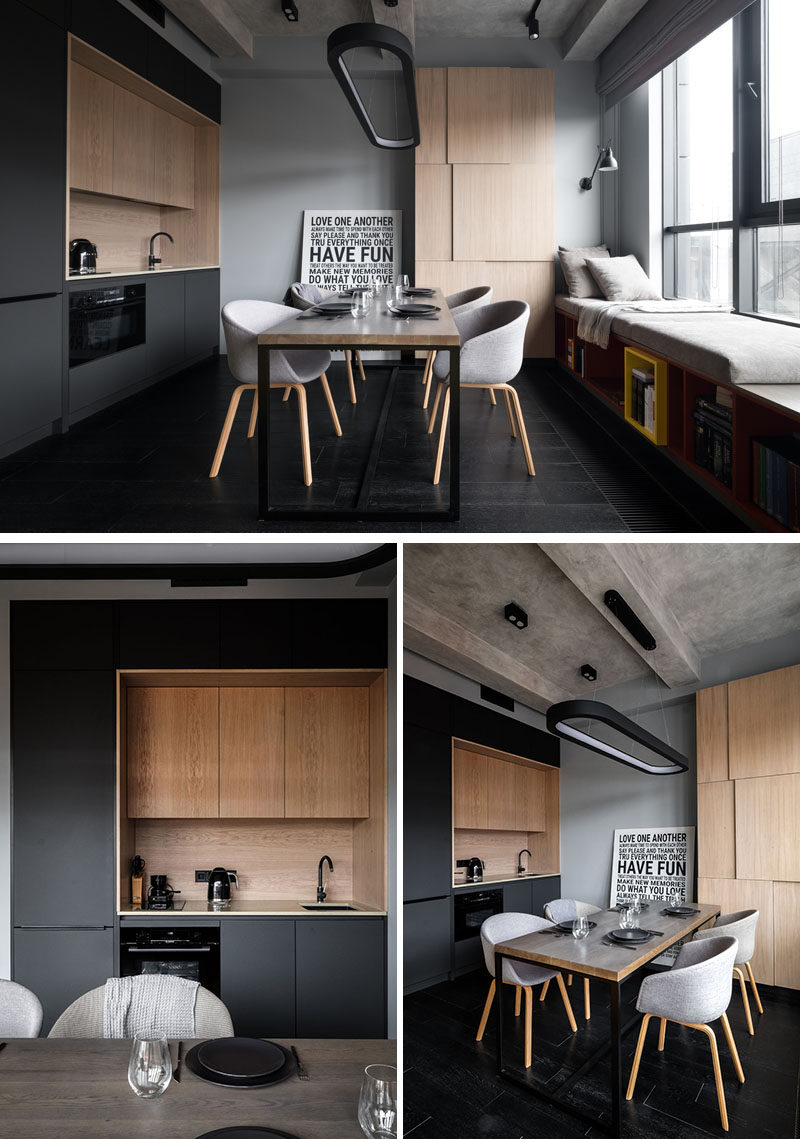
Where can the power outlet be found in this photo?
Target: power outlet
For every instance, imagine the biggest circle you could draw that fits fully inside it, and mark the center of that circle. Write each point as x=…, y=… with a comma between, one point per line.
x=201, y=875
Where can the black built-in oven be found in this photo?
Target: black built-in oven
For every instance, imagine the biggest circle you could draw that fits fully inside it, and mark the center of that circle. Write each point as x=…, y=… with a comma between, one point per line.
x=472, y=908
x=188, y=951
x=106, y=320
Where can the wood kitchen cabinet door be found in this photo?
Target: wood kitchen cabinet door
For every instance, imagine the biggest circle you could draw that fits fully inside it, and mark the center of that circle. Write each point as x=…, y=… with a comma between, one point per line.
x=501, y=812
x=134, y=165
x=173, y=753
x=91, y=131
x=470, y=790
x=251, y=760
x=327, y=753
x=529, y=798
x=173, y=160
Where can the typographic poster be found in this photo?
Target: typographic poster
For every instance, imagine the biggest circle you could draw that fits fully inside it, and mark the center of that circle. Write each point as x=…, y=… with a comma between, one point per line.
x=351, y=248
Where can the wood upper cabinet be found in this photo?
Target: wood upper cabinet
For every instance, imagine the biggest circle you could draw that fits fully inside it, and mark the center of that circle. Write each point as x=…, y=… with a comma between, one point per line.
x=173, y=753
x=91, y=136
x=251, y=760
x=327, y=753
x=470, y=790
x=134, y=126
x=501, y=809
x=173, y=160
x=530, y=792
x=496, y=795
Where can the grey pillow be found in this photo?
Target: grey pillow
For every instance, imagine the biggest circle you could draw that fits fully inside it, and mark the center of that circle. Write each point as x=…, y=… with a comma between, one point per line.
x=622, y=279
x=580, y=282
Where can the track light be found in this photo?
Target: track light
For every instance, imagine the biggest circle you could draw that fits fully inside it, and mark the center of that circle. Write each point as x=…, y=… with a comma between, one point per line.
x=290, y=10
x=626, y=616
x=532, y=22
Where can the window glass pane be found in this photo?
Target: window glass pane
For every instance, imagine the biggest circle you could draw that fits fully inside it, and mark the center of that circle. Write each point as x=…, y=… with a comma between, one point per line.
x=704, y=121
x=779, y=271
x=705, y=266
x=783, y=105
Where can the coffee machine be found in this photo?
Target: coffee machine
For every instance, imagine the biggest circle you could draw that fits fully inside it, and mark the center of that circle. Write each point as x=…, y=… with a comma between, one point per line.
x=160, y=894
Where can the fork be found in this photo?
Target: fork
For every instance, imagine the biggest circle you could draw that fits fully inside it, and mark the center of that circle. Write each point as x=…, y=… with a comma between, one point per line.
x=302, y=1074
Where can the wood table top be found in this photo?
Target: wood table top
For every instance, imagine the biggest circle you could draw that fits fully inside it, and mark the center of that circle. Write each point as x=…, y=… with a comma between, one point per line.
x=78, y=1089
x=593, y=958
x=376, y=328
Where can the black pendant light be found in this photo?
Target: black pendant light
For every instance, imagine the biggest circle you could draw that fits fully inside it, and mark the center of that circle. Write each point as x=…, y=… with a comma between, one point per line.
x=380, y=38
x=558, y=722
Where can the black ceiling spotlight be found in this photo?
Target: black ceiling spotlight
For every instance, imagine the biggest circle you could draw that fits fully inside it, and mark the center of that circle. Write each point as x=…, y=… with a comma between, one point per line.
x=532, y=22
x=390, y=3
x=290, y=10
x=588, y=672
x=626, y=616
x=559, y=715
x=516, y=615
x=384, y=39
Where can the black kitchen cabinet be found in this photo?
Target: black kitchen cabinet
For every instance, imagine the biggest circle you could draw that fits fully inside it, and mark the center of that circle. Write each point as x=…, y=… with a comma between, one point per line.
x=201, y=323
x=202, y=91
x=60, y=965
x=427, y=838
x=33, y=97
x=166, y=66
x=427, y=943
x=30, y=396
x=340, y=634
x=63, y=746
x=113, y=30
x=168, y=634
x=257, y=976
x=62, y=635
x=426, y=706
x=517, y=897
x=544, y=890
x=481, y=725
x=341, y=977
x=55, y=10
x=255, y=634
x=100, y=382
x=164, y=306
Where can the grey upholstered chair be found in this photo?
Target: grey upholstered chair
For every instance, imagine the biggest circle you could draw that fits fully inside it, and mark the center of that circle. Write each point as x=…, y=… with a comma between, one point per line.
x=503, y=927
x=304, y=296
x=84, y=1017
x=20, y=1010
x=742, y=926
x=457, y=303
x=243, y=321
x=567, y=909
x=695, y=991
x=492, y=341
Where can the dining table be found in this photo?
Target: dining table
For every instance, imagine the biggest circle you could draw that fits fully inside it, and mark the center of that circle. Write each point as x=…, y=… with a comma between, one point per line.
x=78, y=1089
x=380, y=330
x=600, y=960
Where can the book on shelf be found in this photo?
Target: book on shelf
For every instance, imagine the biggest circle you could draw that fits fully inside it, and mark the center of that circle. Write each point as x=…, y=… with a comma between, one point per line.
x=776, y=478
x=713, y=446
x=643, y=401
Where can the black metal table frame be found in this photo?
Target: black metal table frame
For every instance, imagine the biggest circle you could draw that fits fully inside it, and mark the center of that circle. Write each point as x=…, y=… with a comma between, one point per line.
x=266, y=513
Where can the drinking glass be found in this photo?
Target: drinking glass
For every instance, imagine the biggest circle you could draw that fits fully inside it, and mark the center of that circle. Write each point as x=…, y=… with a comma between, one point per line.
x=359, y=303
x=403, y=282
x=636, y=904
x=674, y=900
x=580, y=928
x=377, y=1103
x=627, y=920
x=150, y=1067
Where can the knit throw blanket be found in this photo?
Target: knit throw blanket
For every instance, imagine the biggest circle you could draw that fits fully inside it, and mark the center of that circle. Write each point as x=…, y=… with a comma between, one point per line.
x=152, y=1004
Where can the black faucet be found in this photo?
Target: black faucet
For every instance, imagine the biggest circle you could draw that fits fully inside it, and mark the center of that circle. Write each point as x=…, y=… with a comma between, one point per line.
x=321, y=895
x=520, y=867
x=151, y=260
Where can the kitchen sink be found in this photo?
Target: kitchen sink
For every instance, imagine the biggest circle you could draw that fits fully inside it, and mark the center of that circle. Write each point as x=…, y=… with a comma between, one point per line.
x=325, y=906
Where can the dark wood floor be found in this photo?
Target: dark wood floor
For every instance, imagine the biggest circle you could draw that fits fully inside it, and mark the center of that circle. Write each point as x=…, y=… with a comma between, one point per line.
x=452, y=1090
x=142, y=466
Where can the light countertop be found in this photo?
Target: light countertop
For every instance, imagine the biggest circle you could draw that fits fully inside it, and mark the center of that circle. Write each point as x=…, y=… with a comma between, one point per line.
x=105, y=274
x=260, y=907
x=495, y=879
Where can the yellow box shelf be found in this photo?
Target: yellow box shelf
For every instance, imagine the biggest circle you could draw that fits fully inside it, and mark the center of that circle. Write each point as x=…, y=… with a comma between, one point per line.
x=635, y=358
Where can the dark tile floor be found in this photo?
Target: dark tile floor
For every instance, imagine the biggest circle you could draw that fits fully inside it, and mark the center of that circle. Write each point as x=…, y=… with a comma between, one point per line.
x=142, y=465
x=451, y=1090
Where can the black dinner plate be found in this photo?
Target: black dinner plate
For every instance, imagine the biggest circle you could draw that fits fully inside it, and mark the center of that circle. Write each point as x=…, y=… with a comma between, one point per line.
x=240, y=1062
x=332, y=306
x=246, y=1132
x=629, y=935
x=408, y=308
x=680, y=911
x=418, y=292
x=627, y=906
x=567, y=925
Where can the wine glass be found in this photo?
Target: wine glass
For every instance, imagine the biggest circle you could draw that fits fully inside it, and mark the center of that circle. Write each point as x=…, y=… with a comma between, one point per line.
x=150, y=1066
x=359, y=303
x=377, y=1103
x=580, y=928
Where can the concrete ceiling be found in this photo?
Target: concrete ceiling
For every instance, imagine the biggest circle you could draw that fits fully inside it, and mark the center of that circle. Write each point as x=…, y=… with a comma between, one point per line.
x=583, y=27
x=698, y=600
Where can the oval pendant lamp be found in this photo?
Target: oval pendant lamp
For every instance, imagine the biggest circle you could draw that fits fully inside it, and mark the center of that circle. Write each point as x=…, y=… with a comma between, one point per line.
x=558, y=722
x=378, y=37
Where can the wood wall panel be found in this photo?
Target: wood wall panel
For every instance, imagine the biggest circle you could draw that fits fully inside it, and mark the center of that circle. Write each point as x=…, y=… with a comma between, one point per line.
x=479, y=114
x=251, y=753
x=767, y=814
x=119, y=229
x=732, y=895
x=173, y=753
x=764, y=724
x=711, y=706
x=370, y=836
x=786, y=921
x=91, y=131
x=470, y=790
x=503, y=213
x=434, y=213
x=498, y=849
x=716, y=830
x=327, y=752
x=432, y=109
x=196, y=231
x=533, y=115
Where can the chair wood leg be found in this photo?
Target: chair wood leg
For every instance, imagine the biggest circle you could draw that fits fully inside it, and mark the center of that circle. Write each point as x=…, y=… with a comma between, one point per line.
x=523, y=434
x=486, y=1010
x=334, y=417
x=723, y=1111
x=251, y=430
x=569, y=979
x=349, y=365
x=732, y=1045
x=528, y=1025
x=662, y=1032
x=226, y=428
x=517, y=1000
x=753, y=986
x=429, y=378
x=442, y=432
x=567, y=1005
x=287, y=391
x=637, y=1056
x=587, y=1006
x=510, y=414
x=737, y=972
x=305, y=444
x=435, y=407
x=492, y=398
x=360, y=365
x=545, y=987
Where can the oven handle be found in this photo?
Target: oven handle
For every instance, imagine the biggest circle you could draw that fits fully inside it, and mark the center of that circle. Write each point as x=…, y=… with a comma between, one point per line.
x=161, y=951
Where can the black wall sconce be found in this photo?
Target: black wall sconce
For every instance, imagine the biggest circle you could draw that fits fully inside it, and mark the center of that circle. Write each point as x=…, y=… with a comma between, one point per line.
x=559, y=715
x=384, y=39
x=605, y=163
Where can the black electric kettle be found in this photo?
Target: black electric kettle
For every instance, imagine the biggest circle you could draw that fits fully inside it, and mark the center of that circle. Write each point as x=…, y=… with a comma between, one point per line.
x=219, y=884
x=82, y=256
x=475, y=868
